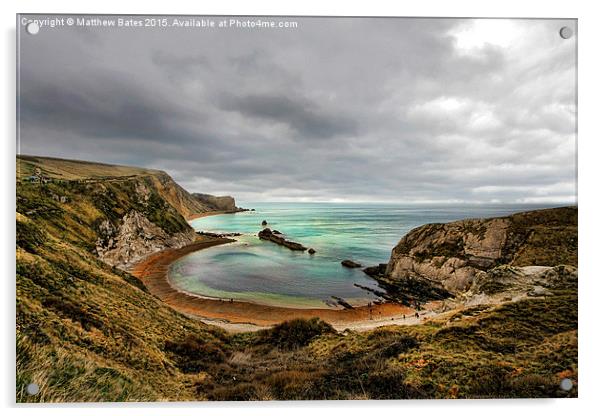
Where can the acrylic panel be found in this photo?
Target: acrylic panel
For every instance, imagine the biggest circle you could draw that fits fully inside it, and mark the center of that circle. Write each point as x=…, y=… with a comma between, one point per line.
x=295, y=208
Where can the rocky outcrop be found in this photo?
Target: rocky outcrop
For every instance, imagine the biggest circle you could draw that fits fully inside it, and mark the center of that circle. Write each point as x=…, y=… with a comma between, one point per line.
x=350, y=264
x=185, y=203
x=509, y=281
x=267, y=234
x=452, y=255
x=217, y=203
x=342, y=302
x=218, y=235
x=375, y=271
x=135, y=238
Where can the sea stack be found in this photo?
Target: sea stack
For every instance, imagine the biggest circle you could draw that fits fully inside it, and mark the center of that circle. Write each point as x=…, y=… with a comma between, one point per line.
x=350, y=264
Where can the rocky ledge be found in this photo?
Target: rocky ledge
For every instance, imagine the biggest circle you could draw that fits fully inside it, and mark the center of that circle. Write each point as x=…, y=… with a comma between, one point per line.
x=218, y=235
x=134, y=238
x=451, y=256
x=267, y=234
x=216, y=203
x=505, y=283
x=477, y=260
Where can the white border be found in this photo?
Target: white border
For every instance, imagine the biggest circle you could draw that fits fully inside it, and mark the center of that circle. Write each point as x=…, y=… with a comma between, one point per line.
x=590, y=177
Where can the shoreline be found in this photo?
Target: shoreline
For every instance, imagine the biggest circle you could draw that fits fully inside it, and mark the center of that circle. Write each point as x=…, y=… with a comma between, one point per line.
x=238, y=316
x=212, y=213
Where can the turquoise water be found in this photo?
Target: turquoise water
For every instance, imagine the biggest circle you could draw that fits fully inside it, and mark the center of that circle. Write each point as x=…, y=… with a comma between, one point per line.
x=263, y=272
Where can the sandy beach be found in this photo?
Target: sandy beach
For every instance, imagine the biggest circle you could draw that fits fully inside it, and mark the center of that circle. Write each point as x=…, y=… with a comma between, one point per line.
x=238, y=316
x=209, y=214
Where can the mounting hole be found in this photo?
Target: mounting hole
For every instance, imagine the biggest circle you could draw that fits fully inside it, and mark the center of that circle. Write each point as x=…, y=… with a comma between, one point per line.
x=32, y=28
x=566, y=384
x=33, y=389
x=566, y=32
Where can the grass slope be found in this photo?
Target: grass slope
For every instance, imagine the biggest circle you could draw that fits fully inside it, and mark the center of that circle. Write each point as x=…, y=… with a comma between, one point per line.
x=89, y=332
x=75, y=169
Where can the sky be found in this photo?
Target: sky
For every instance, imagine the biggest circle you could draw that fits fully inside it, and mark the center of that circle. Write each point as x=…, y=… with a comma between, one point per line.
x=336, y=109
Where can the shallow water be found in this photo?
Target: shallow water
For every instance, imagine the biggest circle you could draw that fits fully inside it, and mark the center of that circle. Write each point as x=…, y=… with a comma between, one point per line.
x=263, y=272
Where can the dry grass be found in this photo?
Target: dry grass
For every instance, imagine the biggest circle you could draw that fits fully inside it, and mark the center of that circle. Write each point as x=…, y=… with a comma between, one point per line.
x=74, y=169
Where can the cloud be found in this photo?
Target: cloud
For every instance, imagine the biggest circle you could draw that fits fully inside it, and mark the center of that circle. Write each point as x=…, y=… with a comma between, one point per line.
x=346, y=109
x=306, y=118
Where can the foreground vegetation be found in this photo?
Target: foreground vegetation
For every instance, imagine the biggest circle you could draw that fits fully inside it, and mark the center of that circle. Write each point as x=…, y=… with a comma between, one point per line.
x=89, y=332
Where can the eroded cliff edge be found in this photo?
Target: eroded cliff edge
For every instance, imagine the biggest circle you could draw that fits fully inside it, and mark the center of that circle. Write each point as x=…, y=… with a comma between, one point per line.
x=120, y=213
x=217, y=203
x=454, y=257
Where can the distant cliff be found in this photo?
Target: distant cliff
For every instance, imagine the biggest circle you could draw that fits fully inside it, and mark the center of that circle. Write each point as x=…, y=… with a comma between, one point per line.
x=451, y=255
x=217, y=203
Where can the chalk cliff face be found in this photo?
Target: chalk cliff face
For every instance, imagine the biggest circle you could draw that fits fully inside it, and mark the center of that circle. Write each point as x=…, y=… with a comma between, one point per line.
x=452, y=255
x=134, y=239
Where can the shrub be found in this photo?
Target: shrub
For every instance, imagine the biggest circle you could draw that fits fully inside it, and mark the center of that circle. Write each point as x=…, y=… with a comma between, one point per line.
x=293, y=384
x=193, y=354
x=238, y=392
x=386, y=384
x=294, y=334
x=401, y=345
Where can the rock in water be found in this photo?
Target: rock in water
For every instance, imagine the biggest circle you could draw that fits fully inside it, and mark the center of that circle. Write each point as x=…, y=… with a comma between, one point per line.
x=351, y=264
x=342, y=302
x=311, y=251
x=267, y=234
x=264, y=223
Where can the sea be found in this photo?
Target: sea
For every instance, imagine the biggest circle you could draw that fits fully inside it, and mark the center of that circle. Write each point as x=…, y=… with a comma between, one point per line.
x=263, y=272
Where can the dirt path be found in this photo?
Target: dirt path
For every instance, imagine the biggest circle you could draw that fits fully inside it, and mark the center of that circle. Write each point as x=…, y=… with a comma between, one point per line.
x=239, y=316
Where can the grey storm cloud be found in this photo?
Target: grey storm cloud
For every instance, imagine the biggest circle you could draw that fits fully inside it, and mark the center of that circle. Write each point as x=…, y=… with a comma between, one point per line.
x=338, y=109
x=306, y=118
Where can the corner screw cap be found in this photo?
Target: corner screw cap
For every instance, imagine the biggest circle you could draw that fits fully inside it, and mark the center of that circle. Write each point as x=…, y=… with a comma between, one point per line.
x=32, y=28
x=566, y=32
